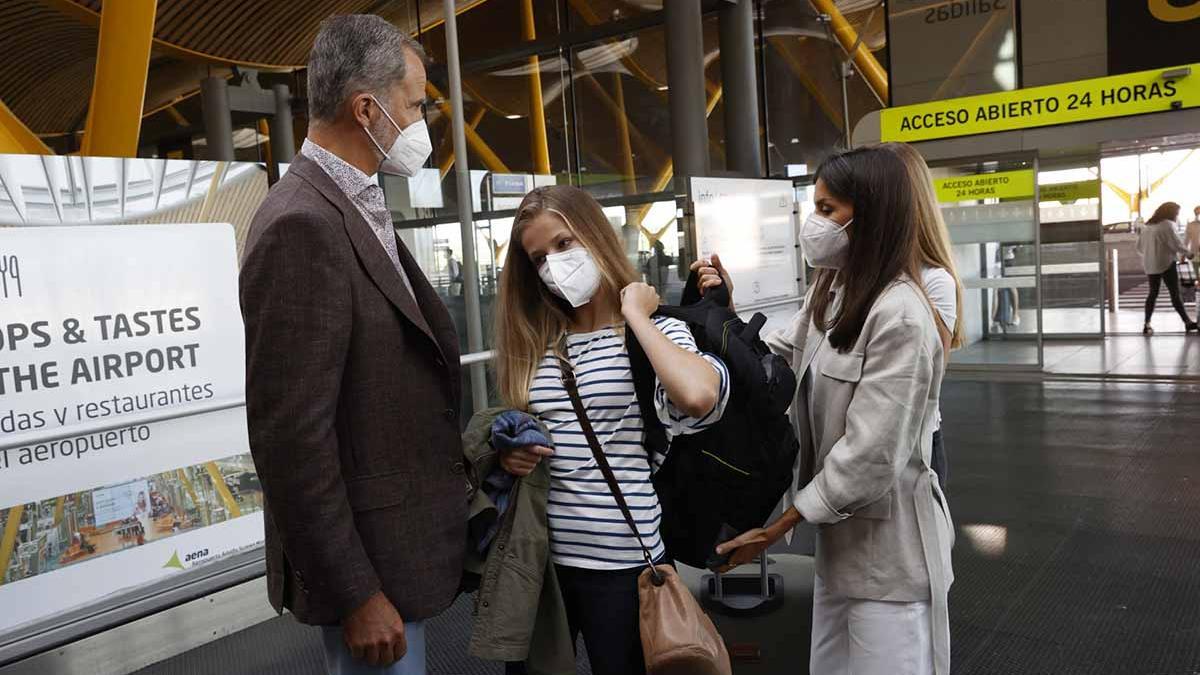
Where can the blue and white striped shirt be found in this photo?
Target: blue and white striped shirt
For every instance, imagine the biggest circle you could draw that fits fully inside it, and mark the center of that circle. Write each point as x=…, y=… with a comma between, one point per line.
x=586, y=526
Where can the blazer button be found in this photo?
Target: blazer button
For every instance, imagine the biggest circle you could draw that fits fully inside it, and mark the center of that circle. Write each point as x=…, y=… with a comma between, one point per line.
x=458, y=468
x=450, y=414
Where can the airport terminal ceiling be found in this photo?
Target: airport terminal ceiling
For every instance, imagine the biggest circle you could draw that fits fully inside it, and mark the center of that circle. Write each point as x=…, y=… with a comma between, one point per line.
x=612, y=51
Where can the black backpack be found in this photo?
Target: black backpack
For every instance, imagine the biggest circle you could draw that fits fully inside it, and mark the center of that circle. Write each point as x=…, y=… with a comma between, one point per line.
x=730, y=477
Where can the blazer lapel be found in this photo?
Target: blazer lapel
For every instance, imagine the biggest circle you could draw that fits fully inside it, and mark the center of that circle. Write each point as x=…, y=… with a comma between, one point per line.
x=367, y=246
x=433, y=310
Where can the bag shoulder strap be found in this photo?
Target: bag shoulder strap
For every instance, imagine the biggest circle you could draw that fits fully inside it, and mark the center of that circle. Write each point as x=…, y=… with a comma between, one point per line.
x=572, y=387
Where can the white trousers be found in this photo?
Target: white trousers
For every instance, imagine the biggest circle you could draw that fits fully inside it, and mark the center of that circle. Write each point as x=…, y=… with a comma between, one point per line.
x=869, y=637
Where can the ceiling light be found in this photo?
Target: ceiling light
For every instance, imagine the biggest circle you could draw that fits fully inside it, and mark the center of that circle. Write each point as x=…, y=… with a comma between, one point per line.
x=1153, y=148
x=512, y=117
x=663, y=88
x=795, y=140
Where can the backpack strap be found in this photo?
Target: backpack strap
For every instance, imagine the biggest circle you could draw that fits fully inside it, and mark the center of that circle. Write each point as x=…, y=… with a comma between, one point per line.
x=644, y=386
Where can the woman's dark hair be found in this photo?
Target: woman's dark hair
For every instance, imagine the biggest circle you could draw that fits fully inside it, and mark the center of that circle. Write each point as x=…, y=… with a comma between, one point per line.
x=1168, y=211
x=883, y=237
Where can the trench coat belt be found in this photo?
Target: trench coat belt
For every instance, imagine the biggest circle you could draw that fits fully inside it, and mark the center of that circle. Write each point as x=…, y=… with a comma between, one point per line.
x=931, y=543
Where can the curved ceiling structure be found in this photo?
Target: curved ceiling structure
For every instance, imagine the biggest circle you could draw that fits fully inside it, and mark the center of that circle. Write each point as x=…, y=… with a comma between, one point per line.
x=50, y=46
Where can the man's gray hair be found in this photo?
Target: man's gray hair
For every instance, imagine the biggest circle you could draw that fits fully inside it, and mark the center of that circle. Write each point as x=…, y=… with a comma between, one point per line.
x=353, y=53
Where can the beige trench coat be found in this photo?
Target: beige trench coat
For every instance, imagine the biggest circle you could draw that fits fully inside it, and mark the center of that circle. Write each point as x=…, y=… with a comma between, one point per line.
x=865, y=420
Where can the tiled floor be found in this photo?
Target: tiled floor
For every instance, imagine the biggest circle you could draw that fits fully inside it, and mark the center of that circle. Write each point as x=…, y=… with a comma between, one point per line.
x=1078, y=549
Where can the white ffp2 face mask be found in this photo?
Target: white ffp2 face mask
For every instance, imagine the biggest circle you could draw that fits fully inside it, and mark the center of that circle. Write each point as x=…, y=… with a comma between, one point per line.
x=824, y=242
x=410, y=149
x=571, y=275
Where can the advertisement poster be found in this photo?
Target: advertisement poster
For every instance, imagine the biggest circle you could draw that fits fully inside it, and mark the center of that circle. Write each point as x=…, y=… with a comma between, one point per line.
x=751, y=225
x=123, y=446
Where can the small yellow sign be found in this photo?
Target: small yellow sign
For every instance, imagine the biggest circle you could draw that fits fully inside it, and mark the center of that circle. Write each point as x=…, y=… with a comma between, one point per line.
x=1000, y=185
x=1080, y=101
x=1069, y=192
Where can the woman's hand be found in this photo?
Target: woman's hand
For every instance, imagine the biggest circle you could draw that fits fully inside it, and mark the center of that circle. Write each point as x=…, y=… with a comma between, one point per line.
x=752, y=543
x=521, y=461
x=712, y=274
x=639, y=301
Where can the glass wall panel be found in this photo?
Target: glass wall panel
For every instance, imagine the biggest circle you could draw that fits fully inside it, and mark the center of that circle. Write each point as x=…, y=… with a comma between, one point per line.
x=1072, y=274
x=948, y=48
x=583, y=14
x=995, y=245
x=488, y=27
x=802, y=82
x=622, y=114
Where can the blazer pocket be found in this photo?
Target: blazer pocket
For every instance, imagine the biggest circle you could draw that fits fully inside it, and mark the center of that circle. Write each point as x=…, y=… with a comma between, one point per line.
x=379, y=492
x=846, y=367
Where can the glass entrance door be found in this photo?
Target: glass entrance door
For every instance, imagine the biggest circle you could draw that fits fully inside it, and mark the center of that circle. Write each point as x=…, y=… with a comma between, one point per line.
x=990, y=208
x=1071, y=246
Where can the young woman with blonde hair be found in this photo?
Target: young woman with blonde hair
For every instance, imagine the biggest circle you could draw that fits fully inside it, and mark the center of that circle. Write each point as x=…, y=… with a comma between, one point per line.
x=869, y=361
x=568, y=292
x=939, y=276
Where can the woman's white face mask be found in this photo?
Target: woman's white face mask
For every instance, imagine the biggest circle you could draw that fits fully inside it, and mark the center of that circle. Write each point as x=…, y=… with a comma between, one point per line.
x=571, y=275
x=824, y=242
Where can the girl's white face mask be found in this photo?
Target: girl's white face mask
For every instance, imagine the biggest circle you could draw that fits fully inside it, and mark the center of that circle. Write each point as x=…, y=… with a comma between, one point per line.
x=824, y=242
x=571, y=275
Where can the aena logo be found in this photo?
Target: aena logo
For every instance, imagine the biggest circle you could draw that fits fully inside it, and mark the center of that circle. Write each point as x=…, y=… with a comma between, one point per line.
x=10, y=277
x=1164, y=10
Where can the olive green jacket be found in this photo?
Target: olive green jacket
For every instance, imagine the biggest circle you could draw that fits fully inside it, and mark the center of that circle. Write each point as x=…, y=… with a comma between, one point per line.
x=519, y=613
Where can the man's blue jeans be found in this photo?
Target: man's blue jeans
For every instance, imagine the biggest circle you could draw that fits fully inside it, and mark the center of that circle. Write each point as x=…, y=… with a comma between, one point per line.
x=338, y=660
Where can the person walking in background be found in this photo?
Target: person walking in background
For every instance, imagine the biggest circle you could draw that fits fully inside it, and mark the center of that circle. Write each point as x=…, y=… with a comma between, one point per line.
x=1161, y=248
x=454, y=276
x=352, y=385
x=1192, y=241
x=869, y=362
x=939, y=278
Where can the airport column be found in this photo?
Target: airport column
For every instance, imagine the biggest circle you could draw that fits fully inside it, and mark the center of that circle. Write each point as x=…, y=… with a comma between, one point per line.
x=685, y=77
x=470, y=270
x=740, y=82
x=218, y=118
x=283, y=140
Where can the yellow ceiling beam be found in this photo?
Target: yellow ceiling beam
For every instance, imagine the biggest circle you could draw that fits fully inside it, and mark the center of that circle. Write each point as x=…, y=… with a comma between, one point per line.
x=114, y=119
x=447, y=151
x=537, y=111
x=489, y=157
x=868, y=65
x=16, y=138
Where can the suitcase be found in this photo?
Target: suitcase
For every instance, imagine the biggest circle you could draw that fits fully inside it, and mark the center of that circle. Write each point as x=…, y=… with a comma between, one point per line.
x=1187, y=275
x=762, y=610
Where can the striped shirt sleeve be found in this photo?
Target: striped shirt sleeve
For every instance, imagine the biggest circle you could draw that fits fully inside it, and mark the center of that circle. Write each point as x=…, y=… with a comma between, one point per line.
x=676, y=422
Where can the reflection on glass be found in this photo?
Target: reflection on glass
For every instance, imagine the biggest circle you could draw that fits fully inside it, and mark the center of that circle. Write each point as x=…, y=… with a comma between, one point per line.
x=59, y=190
x=802, y=81
x=622, y=115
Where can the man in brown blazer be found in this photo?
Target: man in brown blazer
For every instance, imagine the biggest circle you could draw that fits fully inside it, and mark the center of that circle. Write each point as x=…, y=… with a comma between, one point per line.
x=353, y=382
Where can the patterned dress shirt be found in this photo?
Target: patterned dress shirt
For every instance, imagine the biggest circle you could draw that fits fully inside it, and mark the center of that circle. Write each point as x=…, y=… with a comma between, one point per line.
x=367, y=197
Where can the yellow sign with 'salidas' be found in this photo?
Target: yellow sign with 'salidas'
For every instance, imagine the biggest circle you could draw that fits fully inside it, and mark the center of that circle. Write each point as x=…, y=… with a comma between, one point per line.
x=999, y=185
x=1081, y=101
